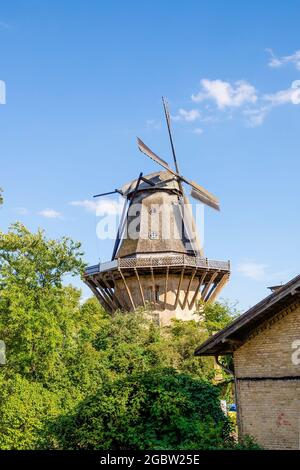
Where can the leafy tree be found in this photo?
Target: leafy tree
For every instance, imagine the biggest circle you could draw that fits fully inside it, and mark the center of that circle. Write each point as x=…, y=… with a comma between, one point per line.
x=48, y=334
x=140, y=384
x=24, y=407
x=217, y=315
x=132, y=342
x=38, y=315
x=149, y=410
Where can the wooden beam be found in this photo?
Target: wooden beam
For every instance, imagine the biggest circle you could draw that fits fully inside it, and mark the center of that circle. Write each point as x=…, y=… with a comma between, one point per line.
x=127, y=289
x=218, y=288
x=153, y=286
x=112, y=294
x=140, y=287
x=98, y=295
x=123, y=303
x=105, y=295
x=166, y=288
x=208, y=285
x=188, y=288
x=178, y=289
x=201, y=279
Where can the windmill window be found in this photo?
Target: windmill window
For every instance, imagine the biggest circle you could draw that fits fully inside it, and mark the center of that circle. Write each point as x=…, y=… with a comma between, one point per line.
x=152, y=295
x=153, y=235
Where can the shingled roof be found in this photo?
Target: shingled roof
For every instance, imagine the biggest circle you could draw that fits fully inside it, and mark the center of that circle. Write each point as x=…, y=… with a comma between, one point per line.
x=235, y=334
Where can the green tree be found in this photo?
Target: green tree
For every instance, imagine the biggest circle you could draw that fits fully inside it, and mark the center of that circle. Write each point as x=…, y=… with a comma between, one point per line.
x=132, y=342
x=217, y=315
x=160, y=409
x=48, y=334
x=38, y=315
x=24, y=408
x=66, y=360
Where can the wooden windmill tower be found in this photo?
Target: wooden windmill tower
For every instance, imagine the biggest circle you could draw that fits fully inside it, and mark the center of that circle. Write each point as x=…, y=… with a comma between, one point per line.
x=157, y=261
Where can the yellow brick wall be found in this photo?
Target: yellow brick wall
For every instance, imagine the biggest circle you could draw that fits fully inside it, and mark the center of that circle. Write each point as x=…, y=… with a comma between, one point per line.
x=269, y=410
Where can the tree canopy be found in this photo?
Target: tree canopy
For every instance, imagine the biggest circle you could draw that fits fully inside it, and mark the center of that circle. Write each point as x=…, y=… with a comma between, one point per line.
x=158, y=409
x=76, y=377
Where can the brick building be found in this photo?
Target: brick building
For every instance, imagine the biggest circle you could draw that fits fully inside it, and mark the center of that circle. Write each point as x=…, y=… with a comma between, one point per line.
x=265, y=345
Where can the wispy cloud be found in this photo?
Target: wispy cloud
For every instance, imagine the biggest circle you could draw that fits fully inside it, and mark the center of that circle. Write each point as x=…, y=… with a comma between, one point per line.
x=222, y=100
x=262, y=272
x=101, y=206
x=290, y=95
x=277, y=62
x=188, y=116
x=255, y=271
x=50, y=214
x=242, y=96
x=255, y=117
x=224, y=94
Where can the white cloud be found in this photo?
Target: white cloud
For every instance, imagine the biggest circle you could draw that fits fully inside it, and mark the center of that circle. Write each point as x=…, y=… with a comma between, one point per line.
x=50, y=214
x=188, y=116
x=256, y=117
x=261, y=272
x=101, y=206
x=290, y=95
x=276, y=62
x=198, y=131
x=253, y=270
x=225, y=94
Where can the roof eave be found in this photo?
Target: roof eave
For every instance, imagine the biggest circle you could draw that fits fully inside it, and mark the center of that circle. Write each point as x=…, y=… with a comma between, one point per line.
x=225, y=341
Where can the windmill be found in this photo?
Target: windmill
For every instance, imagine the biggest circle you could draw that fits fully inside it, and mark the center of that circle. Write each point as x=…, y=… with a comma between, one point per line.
x=157, y=260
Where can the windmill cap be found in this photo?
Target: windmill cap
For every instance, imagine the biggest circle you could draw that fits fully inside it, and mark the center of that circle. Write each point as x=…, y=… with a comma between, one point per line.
x=162, y=179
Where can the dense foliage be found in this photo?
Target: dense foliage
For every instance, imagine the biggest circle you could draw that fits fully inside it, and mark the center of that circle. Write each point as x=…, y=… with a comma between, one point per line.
x=149, y=410
x=78, y=378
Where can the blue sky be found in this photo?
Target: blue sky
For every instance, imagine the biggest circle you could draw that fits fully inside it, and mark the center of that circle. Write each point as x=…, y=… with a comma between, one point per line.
x=83, y=79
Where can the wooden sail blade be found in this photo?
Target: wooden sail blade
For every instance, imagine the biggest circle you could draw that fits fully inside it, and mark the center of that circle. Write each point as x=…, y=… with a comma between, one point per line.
x=198, y=192
x=204, y=191
x=205, y=199
x=144, y=149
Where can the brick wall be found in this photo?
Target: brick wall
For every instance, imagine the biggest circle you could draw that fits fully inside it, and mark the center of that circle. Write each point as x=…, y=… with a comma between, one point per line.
x=269, y=409
x=269, y=412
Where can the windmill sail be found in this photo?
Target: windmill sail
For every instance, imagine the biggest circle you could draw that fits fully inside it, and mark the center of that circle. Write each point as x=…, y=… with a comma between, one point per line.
x=144, y=149
x=206, y=200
